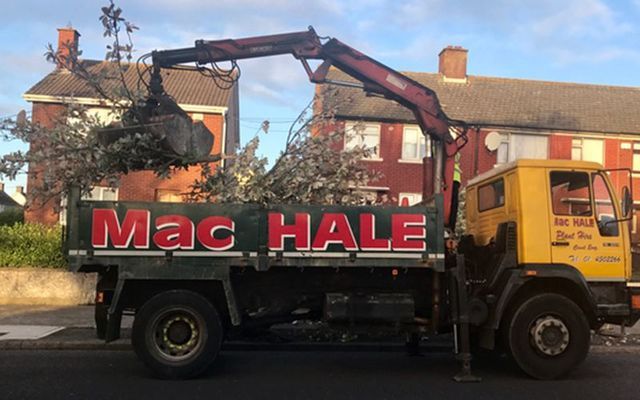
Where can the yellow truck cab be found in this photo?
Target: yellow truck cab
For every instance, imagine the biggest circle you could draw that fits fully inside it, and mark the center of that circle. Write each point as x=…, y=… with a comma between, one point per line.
x=548, y=249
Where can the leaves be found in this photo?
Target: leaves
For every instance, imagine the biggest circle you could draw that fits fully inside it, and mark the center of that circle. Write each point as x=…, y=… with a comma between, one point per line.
x=312, y=170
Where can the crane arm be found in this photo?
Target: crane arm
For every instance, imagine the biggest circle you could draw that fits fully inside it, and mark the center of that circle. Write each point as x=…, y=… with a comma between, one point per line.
x=374, y=78
x=307, y=45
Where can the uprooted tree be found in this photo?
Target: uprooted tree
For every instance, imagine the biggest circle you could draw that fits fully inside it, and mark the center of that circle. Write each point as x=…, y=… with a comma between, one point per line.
x=71, y=153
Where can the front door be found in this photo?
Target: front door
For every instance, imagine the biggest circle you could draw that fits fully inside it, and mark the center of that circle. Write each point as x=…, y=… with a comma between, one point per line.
x=584, y=233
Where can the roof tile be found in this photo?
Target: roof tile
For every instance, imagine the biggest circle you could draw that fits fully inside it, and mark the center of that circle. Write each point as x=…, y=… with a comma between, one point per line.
x=186, y=85
x=506, y=102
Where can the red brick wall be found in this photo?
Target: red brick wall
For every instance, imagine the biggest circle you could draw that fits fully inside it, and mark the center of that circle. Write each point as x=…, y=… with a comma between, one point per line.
x=402, y=177
x=475, y=158
x=43, y=212
x=139, y=185
x=560, y=147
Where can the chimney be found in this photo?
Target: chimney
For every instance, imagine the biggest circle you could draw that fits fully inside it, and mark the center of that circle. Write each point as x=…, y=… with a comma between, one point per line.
x=453, y=64
x=1, y=187
x=20, y=189
x=68, y=39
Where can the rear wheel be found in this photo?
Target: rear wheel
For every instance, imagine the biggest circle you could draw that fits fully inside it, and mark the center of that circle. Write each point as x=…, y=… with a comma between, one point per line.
x=177, y=334
x=548, y=336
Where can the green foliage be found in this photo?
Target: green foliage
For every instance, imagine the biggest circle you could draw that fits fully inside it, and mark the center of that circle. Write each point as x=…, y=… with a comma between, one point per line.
x=31, y=245
x=11, y=216
x=461, y=219
x=312, y=170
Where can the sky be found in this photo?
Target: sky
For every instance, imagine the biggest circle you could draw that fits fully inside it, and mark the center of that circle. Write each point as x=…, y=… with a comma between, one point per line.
x=586, y=41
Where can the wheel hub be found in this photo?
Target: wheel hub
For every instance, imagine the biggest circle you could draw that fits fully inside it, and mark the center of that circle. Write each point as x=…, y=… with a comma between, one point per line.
x=177, y=336
x=179, y=332
x=549, y=335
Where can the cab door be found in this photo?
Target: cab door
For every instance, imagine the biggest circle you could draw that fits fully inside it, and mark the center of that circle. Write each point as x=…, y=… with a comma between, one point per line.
x=584, y=231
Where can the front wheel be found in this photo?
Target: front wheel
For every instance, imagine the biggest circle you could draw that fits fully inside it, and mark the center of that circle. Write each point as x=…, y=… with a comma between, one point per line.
x=177, y=334
x=548, y=336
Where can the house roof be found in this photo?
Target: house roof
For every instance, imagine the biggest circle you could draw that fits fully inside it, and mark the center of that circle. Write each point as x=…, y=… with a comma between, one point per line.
x=505, y=102
x=186, y=85
x=7, y=201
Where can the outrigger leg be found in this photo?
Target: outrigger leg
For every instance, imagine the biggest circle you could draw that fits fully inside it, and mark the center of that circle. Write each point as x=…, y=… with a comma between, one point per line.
x=461, y=327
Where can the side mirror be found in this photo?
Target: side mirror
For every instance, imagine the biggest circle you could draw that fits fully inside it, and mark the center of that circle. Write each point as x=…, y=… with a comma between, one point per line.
x=627, y=202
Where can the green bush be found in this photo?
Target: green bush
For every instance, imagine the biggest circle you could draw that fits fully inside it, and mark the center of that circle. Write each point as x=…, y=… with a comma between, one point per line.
x=31, y=245
x=11, y=216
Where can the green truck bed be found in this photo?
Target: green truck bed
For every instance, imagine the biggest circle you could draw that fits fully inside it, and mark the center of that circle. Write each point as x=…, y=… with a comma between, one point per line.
x=144, y=234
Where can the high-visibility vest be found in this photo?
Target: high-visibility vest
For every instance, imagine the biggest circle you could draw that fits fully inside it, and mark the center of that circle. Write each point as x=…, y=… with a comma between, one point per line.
x=457, y=171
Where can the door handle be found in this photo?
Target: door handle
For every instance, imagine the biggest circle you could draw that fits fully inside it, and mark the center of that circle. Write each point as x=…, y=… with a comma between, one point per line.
x=560, y=244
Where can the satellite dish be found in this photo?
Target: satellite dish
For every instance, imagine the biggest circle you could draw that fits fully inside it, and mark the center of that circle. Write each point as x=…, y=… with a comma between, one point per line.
x=492, y=141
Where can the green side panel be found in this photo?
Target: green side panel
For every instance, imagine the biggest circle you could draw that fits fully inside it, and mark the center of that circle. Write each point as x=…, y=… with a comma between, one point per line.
x=250, y=232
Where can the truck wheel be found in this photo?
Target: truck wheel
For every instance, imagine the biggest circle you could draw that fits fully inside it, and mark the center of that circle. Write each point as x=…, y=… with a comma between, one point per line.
x=548, y=336
x=177, y=334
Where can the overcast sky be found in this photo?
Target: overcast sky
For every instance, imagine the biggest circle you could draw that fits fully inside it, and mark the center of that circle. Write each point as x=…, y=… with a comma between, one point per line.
x=589, y=41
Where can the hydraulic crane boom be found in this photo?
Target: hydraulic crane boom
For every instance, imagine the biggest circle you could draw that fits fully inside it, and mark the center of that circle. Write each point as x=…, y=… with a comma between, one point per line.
x=375, y=78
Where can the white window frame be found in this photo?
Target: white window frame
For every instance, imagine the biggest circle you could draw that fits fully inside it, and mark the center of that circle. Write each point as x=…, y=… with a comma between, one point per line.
x=104, y=116
x=508, y=143
x=635, y=152
x=577, y=143
x=100, y=191
x=350, y=131
x=62, y=215
x=422, y=142
x=173, y=192
x=414, y=198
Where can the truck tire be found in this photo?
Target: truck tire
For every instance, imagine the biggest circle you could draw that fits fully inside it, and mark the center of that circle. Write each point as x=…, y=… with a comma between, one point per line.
x=177, y=334
x=548, y=336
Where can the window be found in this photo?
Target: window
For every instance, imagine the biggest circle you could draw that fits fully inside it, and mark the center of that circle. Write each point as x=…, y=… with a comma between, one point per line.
x=605, y=213
x=101, y=193
x=103, y=116
x=98, y=193
x=516, y=146
x=588, y=150
x=636, y=157
x=409, y=199
x=570, y=194
x=169, y=196
x=364, y=135
x=414, y=145
x=491, y=195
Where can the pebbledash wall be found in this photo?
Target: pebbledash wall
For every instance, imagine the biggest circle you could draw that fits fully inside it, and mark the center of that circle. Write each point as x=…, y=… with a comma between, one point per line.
x=201, y=98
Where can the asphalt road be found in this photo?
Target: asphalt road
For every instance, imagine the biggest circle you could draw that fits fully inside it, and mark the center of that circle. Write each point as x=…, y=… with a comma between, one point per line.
x=305, y=375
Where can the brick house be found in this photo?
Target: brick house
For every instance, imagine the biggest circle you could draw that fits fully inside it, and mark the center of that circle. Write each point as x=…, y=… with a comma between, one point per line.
x=522, y=118
x=196, y=93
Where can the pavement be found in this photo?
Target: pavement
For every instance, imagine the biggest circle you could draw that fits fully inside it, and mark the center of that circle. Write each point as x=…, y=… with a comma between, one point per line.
x=72, y=328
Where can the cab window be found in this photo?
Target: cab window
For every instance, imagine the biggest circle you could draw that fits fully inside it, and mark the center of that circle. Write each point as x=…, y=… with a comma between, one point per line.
x=570, y=193
x=605, y=212
x=491, y=195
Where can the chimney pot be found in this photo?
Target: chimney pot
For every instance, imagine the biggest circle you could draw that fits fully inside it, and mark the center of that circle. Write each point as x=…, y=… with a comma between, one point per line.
x=68, y=39
x=453, y=63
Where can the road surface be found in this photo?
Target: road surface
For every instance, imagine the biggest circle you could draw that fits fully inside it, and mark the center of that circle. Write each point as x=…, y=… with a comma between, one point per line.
x=31, y=374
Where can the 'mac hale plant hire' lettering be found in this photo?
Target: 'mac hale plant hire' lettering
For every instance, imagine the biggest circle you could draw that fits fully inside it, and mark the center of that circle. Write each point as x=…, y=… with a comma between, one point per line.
x=217, y=233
